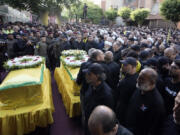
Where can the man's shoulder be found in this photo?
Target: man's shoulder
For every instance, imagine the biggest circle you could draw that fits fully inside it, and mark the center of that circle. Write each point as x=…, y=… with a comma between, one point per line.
x=106, y=88
x=123, y=131
x=113, y=63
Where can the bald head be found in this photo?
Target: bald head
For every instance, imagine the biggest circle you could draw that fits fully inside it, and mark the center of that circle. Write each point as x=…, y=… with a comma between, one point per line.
x=170, y=53
x=147, y=79
x=108, y=56
x=91, y=51
x=97, y=55
x=102, y=120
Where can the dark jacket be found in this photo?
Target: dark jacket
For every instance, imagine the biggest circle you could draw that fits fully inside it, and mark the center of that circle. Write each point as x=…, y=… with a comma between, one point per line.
x=90, y=45
x=102, y=95
x=10, y=48
x=125, y=90
x=170, y=92
x=20, y=47
x=117, y=56
x=50, y=41
x=114, y=70
x=123, y=131
x=77, y=45
x=170, y=127
x=29, y=50
x=145, y=113
x=66, y=45
x=81, y=80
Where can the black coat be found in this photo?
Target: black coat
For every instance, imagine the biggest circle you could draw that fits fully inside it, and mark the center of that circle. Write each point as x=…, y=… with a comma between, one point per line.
x=66, y=45
x=117, y=56
x=77, y=45
x=81, y=80
x=170, y=92
x=145, y=113
x=102, y=95
x=20, y=47
x=123, y=131
x=90, y=45
x=124, y=92
x=114, y=70
x=170, y=127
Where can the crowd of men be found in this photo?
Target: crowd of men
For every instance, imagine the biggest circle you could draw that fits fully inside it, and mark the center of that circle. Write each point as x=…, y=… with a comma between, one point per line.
x=133, y=71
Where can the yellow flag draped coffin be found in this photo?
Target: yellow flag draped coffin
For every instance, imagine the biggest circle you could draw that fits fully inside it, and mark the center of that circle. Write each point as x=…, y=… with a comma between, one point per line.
x=21, y=88
x=25, y=100
x=65, y=77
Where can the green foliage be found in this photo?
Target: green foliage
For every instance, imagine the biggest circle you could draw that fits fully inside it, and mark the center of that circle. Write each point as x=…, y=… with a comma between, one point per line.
x=139, y=15
x=170, y=9
x=94, y=12
x=111, y=14
x=124, y=12
x=38, y=6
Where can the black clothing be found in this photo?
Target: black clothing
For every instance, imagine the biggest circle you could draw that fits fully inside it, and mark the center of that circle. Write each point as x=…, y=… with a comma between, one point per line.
x=50, y=41
x=114, y=70
x=54, y=53
x=77, y=45
x=160, y=85
x=20, y=47
x=15, y=34
x=117, y=56
x=3, y=58
x=81, y=76
x=145, y=112
x=10, y=48
x=90, y=44
x=125, y=90
x=109, y=73
x=66, y=45
x=170, y=92
x=29, y=50
x=123, y=131
x=101, y=95
x=170, y=127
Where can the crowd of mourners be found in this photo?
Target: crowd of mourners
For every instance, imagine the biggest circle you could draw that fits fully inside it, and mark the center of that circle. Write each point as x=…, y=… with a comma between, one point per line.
x=134, y=72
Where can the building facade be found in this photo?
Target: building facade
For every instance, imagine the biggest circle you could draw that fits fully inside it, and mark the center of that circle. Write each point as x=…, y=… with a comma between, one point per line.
x=106, y=4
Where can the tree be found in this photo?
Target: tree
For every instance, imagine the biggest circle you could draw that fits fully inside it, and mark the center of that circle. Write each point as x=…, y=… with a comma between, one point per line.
x=139, y=15
x=74, y=10
x=111, y=14
x=170, y=9
x=94, y=12
x=37, y=6
x=124, y=12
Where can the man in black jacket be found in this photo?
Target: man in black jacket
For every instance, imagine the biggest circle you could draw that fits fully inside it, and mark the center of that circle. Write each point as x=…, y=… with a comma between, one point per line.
x=126, y=86
x=172, y=86
x=95, y=56
x=146, y=109
x=23, y=46
x=78, y=44
x=113, y=69
x=90, y=43
x=172, y=125
x=103, y=121
x=98, y=93
x=117, y=51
